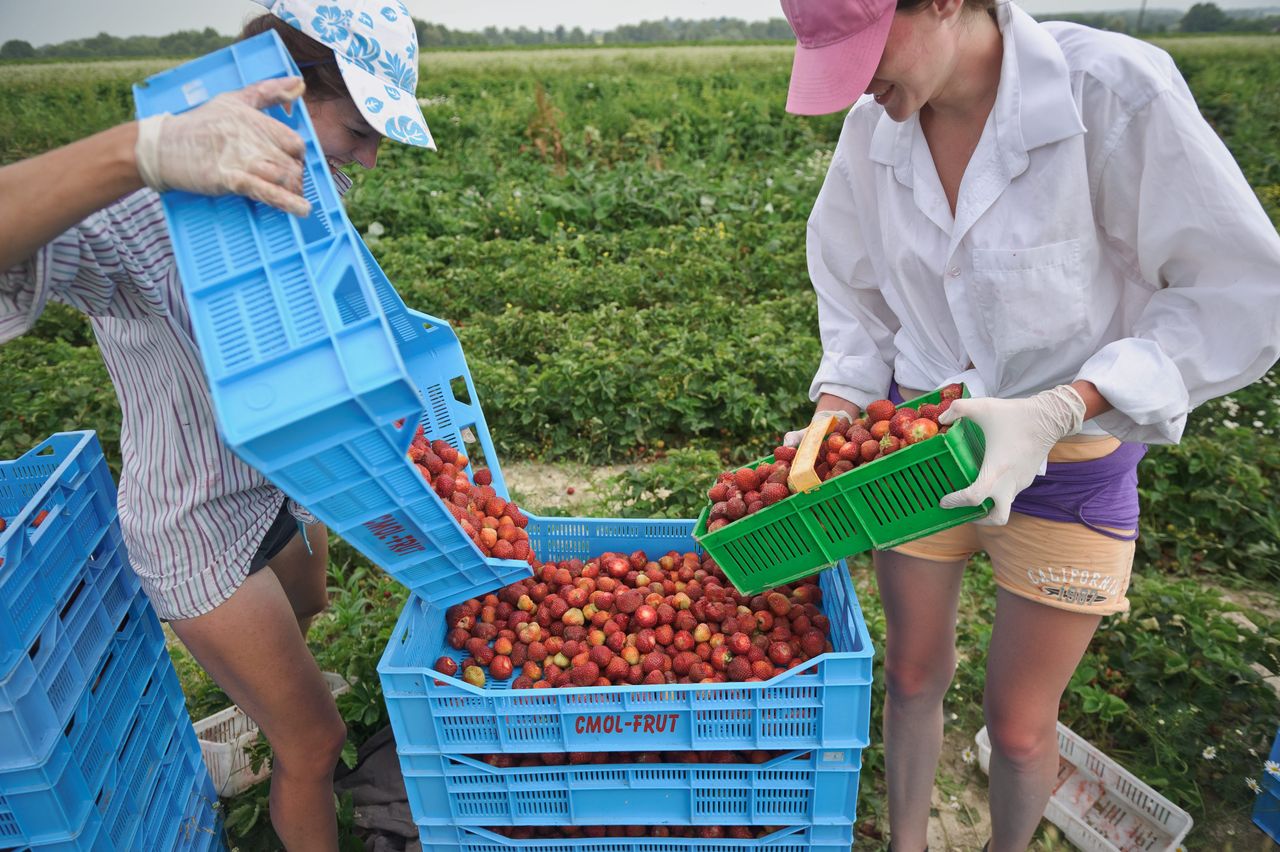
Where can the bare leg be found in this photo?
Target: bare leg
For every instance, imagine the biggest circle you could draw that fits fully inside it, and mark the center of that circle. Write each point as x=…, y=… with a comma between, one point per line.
x=920, y=599
x=303, y=575
x=1034, y=651
x=251, y=647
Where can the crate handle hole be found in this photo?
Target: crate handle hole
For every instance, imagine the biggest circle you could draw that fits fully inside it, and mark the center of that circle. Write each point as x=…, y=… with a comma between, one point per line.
x=458, y=387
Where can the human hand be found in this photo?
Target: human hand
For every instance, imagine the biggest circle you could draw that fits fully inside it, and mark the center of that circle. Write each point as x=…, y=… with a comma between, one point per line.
x=1019, y=434
x=793, y=439
x=227, y=146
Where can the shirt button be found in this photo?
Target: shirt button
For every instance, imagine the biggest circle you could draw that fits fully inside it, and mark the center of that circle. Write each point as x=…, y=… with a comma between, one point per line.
x=954, y=272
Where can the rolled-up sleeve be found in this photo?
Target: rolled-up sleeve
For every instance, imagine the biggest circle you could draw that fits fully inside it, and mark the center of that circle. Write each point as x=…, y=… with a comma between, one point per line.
x=1171, y=192
x=112, y=263
x=855, y=323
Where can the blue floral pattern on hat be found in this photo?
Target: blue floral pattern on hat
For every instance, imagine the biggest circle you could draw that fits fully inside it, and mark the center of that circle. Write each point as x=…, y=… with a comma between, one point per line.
x=405, y=129
x=363, y=51
x=331, y=23
x=376, y=44
x=399, y=72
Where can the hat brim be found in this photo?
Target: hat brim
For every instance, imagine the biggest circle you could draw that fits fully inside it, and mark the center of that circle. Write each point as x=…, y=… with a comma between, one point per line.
x=390, y=110
x=832, y=77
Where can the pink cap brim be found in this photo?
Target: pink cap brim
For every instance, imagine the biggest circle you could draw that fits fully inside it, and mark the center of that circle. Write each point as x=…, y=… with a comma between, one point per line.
x=830, y=78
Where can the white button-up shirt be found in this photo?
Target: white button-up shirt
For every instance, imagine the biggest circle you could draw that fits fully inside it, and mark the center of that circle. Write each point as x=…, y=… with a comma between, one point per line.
x=1102, y=232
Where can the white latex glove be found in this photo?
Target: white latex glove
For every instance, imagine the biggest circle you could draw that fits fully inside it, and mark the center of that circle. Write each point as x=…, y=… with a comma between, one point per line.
x=793, y=439
x=226, y=146
x=1019, y=434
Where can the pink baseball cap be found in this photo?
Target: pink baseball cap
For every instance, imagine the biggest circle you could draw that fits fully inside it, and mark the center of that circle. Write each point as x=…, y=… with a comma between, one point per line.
x=839, y=43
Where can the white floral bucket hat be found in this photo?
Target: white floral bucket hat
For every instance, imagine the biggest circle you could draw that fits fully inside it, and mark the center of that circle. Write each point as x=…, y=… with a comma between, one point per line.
x=376, y=47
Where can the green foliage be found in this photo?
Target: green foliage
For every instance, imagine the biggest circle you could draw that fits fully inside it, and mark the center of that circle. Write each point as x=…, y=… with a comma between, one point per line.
x=675, y=486
x=1204, y=18
x=1210, y=504
x=1170, y=689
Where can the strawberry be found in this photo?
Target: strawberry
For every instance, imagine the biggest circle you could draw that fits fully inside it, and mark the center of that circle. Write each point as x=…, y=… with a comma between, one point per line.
x=920, y=429
x=718, y=492
x=890, y=444
x=784, y=454
x=881, y=409
x=951, y=391
x=773, y=492
x=746, y=479
x=483, y=477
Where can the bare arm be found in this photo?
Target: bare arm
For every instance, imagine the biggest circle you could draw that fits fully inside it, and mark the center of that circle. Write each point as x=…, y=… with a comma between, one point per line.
x=45, y=195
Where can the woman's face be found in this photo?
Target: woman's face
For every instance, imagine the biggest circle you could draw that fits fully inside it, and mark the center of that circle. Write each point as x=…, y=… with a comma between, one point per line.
x=918, y=58
x=344, y=136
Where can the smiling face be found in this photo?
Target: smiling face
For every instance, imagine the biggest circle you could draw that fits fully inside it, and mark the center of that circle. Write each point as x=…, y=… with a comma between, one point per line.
x=919, y=59
x=344, y=136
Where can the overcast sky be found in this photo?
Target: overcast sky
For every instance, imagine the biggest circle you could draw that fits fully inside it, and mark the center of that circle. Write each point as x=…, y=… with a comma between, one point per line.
x=45, y=21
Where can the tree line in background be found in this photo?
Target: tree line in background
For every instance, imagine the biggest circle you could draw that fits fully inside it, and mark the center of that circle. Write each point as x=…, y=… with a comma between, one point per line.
x=1200, y=18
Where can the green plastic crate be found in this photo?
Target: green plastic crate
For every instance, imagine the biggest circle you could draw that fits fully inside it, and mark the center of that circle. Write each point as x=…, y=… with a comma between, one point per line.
x=879, y=505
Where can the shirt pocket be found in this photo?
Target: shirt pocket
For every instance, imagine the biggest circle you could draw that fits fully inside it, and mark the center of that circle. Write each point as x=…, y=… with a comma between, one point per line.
x=1030, y=298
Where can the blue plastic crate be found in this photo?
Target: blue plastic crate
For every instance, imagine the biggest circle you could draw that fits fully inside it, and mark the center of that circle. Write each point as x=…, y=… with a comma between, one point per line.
x=38, y=695
x=1266, y=813
x=798, y=788
x=798, y=838
x=117, y=822
x=183, y=812
x=66, y=478
x=823, y=704
x=313, y=359
x=108, y=749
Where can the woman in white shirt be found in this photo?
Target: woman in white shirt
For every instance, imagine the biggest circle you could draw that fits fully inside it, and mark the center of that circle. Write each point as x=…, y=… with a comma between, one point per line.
x=1039, y=211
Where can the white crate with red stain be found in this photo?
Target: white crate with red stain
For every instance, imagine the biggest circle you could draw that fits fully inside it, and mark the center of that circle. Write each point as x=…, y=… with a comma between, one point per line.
x=1101, y=806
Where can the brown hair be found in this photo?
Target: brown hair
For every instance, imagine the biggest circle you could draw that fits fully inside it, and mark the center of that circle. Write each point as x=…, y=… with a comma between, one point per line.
x=988, y=6
x=315, y=60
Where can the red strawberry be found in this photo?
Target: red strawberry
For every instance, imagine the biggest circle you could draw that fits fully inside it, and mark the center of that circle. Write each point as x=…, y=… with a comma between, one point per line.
x=735, y=508
x=900, y=420
x=718, y=492
x=483, y=477
x=920, y=429
x=929, y=411
x=951, y=391
x=889, y=444
x=746, y=479
x=739, y=669
x=870, y=449
x=784, y=453
x=773, y=492
x=881, y=409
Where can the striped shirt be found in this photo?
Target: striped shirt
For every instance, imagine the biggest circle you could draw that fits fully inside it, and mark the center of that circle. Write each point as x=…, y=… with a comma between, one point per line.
x=192, y=513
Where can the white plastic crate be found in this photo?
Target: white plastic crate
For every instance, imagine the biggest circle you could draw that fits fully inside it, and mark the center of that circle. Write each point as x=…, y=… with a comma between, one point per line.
x=1101, y=806
x=225, y=735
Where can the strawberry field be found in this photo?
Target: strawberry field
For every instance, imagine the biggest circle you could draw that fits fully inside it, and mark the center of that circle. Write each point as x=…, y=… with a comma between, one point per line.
x=618, y=238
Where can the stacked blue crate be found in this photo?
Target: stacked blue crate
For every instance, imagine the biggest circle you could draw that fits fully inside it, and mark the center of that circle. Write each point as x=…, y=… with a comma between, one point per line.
x=817, y=714
x=91, y=710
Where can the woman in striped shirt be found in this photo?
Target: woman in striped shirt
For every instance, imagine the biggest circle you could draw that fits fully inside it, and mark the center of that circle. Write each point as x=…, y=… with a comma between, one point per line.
x=199, y=523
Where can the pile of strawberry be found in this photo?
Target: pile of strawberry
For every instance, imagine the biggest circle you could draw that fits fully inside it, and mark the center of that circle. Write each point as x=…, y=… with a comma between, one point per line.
x=709, y=832
x=497, y=526
x=598, y=758
x=882, y=429
x=620, y=619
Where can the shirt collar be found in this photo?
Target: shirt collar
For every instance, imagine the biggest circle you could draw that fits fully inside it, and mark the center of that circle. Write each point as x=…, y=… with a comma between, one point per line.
x=1034, y=104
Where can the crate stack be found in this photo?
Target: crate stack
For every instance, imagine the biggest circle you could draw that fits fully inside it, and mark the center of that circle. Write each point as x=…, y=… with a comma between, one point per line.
x=815, y=716
x=96, y=747
x=319, y=376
